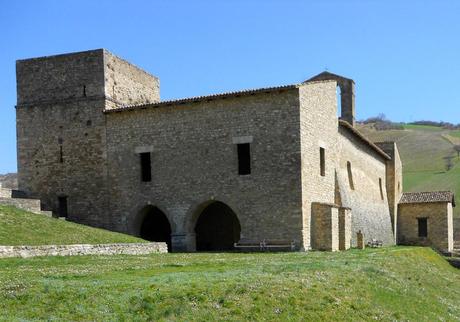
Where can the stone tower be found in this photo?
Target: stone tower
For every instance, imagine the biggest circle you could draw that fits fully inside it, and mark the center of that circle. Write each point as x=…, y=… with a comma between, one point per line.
x=61, y=127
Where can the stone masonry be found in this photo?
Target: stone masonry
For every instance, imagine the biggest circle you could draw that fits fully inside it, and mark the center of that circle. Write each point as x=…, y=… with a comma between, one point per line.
x=436, y=209
x=96, y=142
x=75, y=250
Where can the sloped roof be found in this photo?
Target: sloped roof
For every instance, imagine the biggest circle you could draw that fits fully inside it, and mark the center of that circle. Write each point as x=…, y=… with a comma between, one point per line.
x=429, y=196
x=327, y=76
x=196, y=99
x=360, y=136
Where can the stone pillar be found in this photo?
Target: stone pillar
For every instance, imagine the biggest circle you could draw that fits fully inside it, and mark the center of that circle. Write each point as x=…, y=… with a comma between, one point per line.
x=344, y=228
x=360, y=240
x=183, y=242
x=325, y=227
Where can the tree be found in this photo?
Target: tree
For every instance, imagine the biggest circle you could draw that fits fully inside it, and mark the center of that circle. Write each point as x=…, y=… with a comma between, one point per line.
x=448, y=162
x=457, y=149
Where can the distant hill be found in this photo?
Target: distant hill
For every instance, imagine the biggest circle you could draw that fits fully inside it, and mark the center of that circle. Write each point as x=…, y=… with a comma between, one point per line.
x=9, y=180
x=427, y=152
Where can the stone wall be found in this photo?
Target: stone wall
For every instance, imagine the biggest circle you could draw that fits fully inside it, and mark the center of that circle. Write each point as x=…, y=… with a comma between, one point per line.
x=61, y=77
x=440, y=225
x=61, y=127
x=345, y=228
x=325, y=227
x=394, y=181
x=318, y=129
x=126, y=84
x=366, y=195
x=32, y=205
x=75, y=250
x=194, y=160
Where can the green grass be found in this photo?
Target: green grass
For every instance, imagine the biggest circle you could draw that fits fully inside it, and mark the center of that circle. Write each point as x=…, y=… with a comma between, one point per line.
x=423, y=149
x=422, y=127
x=455, y=134
x=388, y=284
x=18, y=227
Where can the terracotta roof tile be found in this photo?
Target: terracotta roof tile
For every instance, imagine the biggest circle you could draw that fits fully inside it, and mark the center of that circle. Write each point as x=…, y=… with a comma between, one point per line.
x=430, y=196
x=245, y=92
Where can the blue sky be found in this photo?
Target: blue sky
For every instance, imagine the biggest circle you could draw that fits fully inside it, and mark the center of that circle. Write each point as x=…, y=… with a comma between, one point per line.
x=403, y=55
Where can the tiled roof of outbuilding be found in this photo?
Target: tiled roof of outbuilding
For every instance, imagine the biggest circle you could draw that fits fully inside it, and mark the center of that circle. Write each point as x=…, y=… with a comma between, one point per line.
x=430, y=196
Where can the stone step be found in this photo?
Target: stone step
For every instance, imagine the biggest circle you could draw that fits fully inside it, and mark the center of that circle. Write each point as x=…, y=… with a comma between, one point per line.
x=46, y=213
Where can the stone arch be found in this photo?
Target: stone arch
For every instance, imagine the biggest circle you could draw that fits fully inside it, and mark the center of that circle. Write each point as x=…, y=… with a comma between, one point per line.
x=153, y=224
x=215, y=225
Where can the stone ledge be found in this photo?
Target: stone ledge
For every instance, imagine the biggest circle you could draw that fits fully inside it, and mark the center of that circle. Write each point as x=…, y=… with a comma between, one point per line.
x=83, y=249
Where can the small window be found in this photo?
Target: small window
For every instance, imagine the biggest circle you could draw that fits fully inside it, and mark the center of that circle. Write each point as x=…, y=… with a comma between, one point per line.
x=322, y=161
x=244, y=158
x=399, y=186
x=422, y=227
x=62, y=204
x=381, y=188
x=350, y=176
x=61, y=155
x=146, y=168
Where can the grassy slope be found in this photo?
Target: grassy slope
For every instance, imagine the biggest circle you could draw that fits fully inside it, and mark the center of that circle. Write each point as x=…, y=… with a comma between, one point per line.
x=397, y=283
x=422, y=149
x=18, y=227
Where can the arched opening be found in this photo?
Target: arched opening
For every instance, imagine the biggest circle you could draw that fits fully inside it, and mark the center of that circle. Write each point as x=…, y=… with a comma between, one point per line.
x=338, y=94
x=217, y=228
x=155, y=226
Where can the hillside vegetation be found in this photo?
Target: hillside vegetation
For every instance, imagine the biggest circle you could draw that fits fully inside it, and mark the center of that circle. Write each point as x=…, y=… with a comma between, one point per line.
x=427, y=152
x=19, y=227
x=387, y=284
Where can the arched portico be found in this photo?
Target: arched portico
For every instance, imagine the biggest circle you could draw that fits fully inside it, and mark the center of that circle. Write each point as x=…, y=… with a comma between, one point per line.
x=216, y=227
x=153, y=224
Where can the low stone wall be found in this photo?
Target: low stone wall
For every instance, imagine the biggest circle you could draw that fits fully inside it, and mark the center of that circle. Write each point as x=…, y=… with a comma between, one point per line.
x=32, y=205
x=75, y=250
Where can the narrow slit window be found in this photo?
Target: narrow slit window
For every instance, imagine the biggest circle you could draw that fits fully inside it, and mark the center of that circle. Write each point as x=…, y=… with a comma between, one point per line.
x=61, y=155
x=244, y=158
x=322, y=161
x=350, y=176
x=84, y=90
x=62, y=206
x=381, y=188
x=422, y=227
x=146, y=167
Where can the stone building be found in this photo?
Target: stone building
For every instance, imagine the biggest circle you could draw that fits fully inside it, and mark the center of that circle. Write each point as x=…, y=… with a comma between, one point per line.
x=98, y=146
x=425, y=218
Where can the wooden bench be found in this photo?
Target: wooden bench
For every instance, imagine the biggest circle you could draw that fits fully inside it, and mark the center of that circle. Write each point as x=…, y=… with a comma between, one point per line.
x=375, y=243
x=265, y=245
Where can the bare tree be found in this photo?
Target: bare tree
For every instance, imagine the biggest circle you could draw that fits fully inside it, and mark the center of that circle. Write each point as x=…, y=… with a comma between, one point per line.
x=449, y=164
x=457, y=149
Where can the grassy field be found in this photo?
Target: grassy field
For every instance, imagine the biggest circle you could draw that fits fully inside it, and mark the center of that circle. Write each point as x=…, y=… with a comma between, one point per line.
x=388, y=284
x=18, y=227
x=423, y=149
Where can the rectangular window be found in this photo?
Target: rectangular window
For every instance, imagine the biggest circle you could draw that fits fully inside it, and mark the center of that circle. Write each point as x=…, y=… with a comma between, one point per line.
x=62, y=211
x=244, y=158
x=61, y=155
x=422, y=227
x=322, y=161
x=146, y=168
